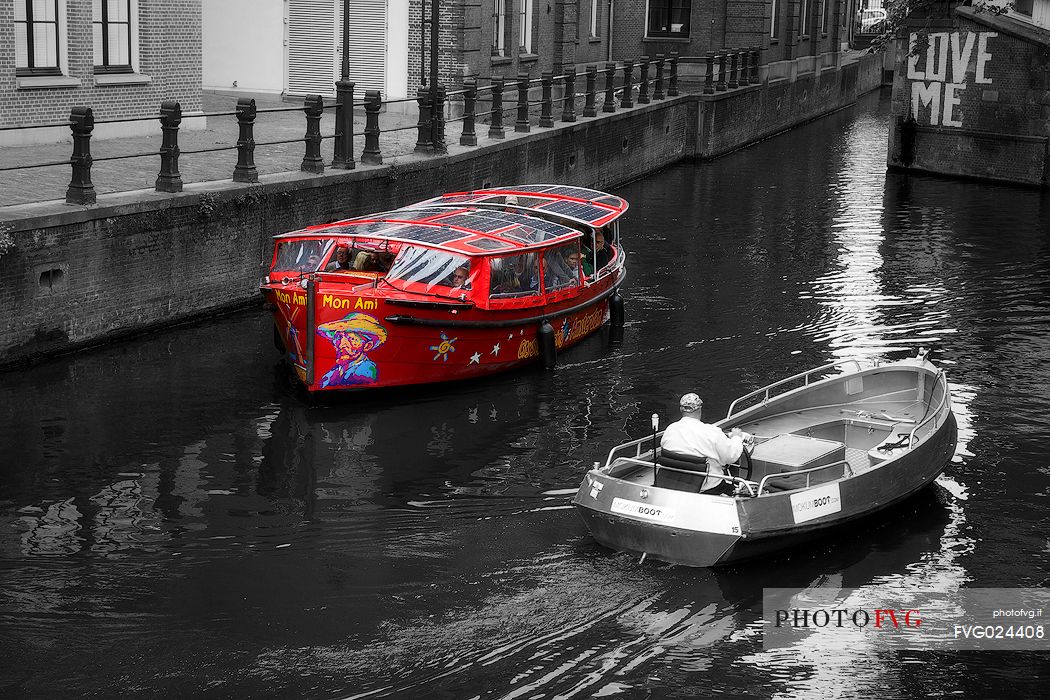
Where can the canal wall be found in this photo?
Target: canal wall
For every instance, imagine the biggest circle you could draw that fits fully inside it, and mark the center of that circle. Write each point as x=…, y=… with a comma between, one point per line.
x=72, y=276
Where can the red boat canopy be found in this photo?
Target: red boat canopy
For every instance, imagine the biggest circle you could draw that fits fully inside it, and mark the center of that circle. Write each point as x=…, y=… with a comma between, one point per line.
x=577, y=204
x=466, y=223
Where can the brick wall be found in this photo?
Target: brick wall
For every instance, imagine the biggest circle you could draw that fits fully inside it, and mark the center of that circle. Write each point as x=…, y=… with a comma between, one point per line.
x=451, y=42
x=79, y=275
x=988, y=116
x=553, y=38
x=169, y=52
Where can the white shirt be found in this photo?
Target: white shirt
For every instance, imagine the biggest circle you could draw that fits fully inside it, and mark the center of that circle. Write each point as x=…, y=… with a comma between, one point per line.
x=691, y=436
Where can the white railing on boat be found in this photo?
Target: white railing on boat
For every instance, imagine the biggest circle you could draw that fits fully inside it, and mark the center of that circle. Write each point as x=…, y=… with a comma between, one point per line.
x=936, y=414
x=749, y=485
x=805, y=376
x=636, y=444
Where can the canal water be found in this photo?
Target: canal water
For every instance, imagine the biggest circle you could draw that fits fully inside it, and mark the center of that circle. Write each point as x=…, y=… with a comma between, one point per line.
x=176, y=520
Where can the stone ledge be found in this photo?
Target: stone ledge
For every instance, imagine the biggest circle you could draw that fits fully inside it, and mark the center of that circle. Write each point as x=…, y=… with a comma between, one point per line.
x=122, y=79
x=46, y=82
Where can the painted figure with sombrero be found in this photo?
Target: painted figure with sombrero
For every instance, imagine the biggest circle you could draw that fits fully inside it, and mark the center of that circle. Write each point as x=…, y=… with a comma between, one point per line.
x=353, y=338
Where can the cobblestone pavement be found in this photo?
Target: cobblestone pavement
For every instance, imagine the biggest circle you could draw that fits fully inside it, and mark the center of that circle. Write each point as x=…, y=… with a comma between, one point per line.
x=50, y=183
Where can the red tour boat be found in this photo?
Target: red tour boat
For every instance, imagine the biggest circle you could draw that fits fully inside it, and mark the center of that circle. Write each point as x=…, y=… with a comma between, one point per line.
x=459, y=286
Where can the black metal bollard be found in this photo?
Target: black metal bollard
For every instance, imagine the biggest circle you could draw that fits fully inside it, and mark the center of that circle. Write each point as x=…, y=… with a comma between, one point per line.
x=643, y=80
x=496, y=119
x=742, y=79
x=658, y=86
x=546, y=103
x=754, y=66
x=169, y=179
x=373, y=105
x=313, y=106
x=709, y=78
x=423, y=143
x=522, y=122
x=610, y=88
x=627, y=98
x=245, y=170
x=80, y=190
x=734, y=65
x=343, y=155
x=470, y=102
x=589, y=108
x=720, y=85
x=437, y=113
x=568, y=111
x=672, y=83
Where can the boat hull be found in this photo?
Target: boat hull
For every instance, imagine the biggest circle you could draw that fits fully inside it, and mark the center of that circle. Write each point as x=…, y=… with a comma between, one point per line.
x=361, y=340
x=637, y=517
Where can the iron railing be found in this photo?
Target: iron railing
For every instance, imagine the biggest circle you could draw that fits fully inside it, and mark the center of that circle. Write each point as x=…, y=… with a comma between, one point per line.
x=657, y=80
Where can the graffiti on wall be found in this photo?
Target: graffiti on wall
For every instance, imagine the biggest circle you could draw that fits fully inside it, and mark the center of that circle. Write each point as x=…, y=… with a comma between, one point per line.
x=952, y=61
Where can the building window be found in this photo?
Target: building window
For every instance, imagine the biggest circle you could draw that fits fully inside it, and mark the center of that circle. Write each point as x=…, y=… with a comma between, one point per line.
x=111, y=23
x=499, y=28
x=1023, y=7
x=594, y=17
x=668, y=18
x=774, y=22
x=803, y=21
x=36, y=37
x=525, y=16
x=826, y=7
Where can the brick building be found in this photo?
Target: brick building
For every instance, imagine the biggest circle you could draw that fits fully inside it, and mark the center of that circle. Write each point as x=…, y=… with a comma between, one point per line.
x=974, y=99
x=503, y=37
x=119, y=57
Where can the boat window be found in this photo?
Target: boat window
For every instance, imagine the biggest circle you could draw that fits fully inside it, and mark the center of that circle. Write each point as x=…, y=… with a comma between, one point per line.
x=301, y=255
x=351, y=257
x=514, y=276
x=561, y=267
x=429, y=267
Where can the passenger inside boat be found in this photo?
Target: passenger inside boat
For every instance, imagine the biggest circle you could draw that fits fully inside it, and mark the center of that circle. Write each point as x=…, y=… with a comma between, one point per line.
x=301, y=255
x=340, y=261
x=561, y=267
x=460, y=278
x=514, y=275
x=602, y=253
x=690, y=441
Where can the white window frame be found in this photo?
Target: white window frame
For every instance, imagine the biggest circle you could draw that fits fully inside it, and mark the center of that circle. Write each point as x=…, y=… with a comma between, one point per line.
x=774, y=24
x=595, y=5
x=803, y=18
x=133, y=36
x=499, y=28
x=61, y=44
x=525, y=35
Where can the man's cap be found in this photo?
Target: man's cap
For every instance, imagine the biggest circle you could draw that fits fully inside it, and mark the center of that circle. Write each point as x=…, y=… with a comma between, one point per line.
x=690, y=403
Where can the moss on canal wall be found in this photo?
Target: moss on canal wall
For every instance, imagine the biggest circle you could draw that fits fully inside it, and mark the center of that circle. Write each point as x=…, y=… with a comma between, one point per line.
x=75, y=276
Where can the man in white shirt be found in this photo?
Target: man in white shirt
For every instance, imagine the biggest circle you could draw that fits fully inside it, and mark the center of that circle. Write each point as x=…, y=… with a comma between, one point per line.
x=691, y=436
